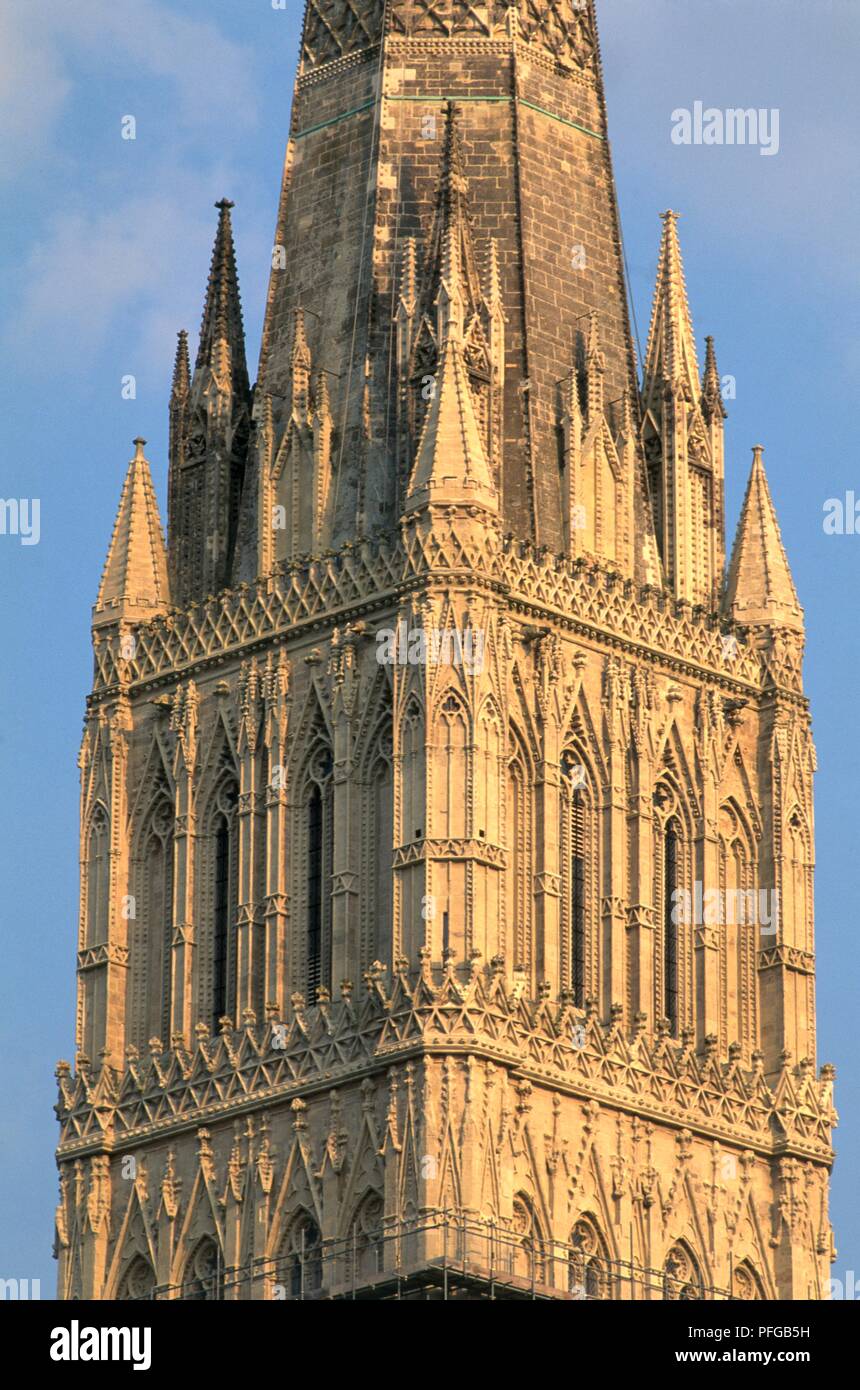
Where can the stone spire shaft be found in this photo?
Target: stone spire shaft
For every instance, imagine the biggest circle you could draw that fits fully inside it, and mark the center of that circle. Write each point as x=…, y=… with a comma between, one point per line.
x=371, y=124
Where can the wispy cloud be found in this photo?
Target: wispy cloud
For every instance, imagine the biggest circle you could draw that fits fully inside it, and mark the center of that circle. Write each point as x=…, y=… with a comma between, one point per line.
x=50, y=52
x=133, y=274
x=210, y=74
x=122, y=259
x=33, y=88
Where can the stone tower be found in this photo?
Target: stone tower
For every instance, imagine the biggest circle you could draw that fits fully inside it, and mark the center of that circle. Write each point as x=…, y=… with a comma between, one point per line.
x=446, y=814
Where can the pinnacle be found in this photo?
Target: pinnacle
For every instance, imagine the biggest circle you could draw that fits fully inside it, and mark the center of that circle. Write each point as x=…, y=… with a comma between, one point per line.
x=452, y=274
x=760, y=589
x=135, y=572
x=300, y=354
x=712, y=396
x=451, y=466
x=222, y=335
x=181, y=368
x=671, y=352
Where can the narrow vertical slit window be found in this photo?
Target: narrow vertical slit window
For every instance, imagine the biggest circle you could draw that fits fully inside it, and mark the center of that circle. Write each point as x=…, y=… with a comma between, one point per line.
x=577, y=897
x=670, y=927
x=315, y=901
x=221, y=923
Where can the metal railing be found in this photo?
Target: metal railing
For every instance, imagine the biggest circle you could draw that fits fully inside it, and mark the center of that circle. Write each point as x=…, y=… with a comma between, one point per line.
x=450, y=1253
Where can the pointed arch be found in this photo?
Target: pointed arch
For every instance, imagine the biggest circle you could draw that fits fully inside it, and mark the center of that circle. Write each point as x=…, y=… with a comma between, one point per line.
x=203, y=1275
x=682, y=1274
x=94, y=927
x=97, y=876
x=489, y=746
x=589, y=1268
x=453, y=734
x=365, y=1257
x=412, y=799
x=796, y=896
x=138, y=1281
x=219, y=900
x=299, y=1266
x=151, y=923
x=377, y=831
x=519, y=841
x=526, y=1248
x=740, y=926
x=312, y=867
x=579, y=851
x=672, y=896
x=746, y=1283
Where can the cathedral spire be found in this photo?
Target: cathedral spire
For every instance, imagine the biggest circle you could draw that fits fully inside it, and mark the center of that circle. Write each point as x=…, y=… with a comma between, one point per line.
x=760, y=591
x=134, y=583
x=222, y=335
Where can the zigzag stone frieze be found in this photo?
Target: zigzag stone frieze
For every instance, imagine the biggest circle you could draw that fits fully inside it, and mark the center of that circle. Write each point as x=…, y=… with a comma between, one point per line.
x=335, y=29
x=315, y=1048
x=367, y=575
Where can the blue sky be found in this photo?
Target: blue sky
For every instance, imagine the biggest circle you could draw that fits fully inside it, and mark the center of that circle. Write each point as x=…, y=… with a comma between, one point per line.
x=104, y=256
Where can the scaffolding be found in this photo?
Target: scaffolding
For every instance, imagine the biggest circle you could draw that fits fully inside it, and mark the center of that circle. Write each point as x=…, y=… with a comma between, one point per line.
x=442, y=1256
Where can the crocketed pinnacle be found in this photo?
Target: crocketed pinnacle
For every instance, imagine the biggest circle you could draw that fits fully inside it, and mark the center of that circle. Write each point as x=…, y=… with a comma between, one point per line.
x=712, y=396
x=134, y=579
x=222, y=335
x=181, y=369
x=760, y=590
x=671, y=353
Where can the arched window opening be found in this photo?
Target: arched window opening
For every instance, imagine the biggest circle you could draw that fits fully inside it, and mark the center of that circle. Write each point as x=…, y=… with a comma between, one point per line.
x=527, y=1253
x=577, y=851
x=379, y=844
x=682, y=1279
x=204, y=1274
x=222, y=921
x=366, y=1253
x=454, y=736
x=588, y=1267
x=315, y=869
x=98, y=878
x=413, y=807
x=158, y=950
x=670, y=925
x=746, y=1284
x=138, y=1282
x=796, y=878
x=225, y=905
x=518, y=834
x=318, y=868
x=577, y=897
x=301, y=1257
